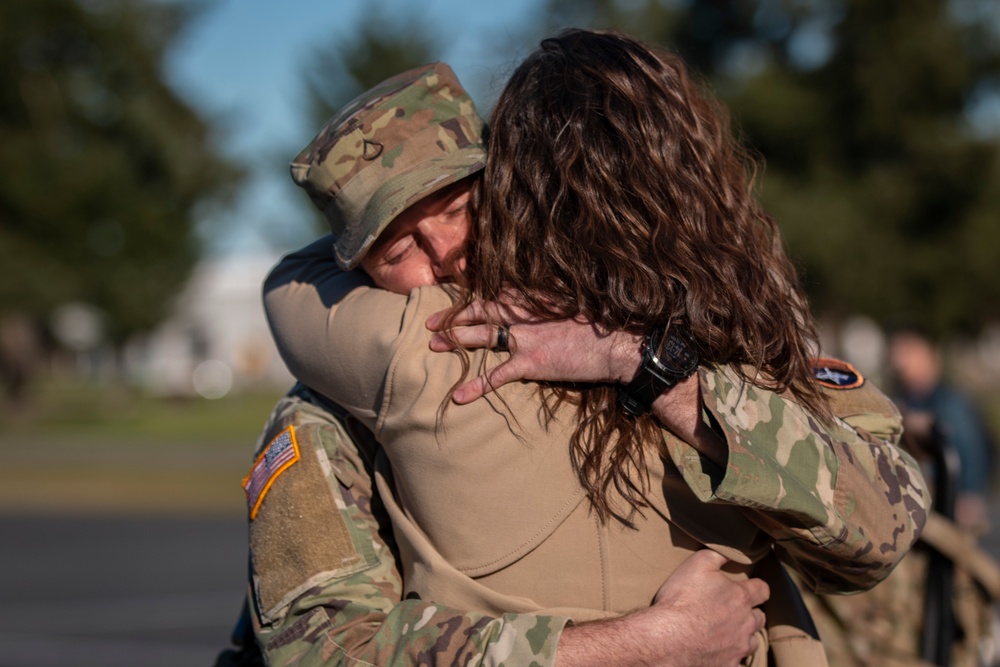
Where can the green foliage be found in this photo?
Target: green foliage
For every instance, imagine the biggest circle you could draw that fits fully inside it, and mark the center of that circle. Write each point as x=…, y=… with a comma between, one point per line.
x=381, y=48
x=341, y=70
x=651, y=20
x=104, y=167
x=886, y=196
x=886, y=132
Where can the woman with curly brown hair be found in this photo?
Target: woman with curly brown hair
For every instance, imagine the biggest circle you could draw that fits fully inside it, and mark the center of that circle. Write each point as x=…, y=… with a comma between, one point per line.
x=615, y=193
x=617, y=257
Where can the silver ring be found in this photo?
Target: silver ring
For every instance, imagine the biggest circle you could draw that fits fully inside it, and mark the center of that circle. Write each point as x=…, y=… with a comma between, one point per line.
x=503, y=339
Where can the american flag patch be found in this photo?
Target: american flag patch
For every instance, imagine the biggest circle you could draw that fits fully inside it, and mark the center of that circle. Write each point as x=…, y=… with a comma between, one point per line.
x=279, y=454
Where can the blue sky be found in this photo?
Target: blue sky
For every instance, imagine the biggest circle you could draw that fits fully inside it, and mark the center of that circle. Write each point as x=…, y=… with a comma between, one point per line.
x=241, y=63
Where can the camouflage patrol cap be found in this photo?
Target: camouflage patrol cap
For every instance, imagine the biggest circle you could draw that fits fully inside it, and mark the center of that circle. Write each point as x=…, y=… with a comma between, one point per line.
x=397, y=143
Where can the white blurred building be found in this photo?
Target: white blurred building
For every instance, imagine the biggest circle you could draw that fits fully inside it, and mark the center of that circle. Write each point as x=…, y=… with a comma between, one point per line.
x=217, y=339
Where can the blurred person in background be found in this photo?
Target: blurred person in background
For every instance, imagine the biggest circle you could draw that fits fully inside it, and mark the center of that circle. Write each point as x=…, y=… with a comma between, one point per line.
x=929, y=401
x=20, y=354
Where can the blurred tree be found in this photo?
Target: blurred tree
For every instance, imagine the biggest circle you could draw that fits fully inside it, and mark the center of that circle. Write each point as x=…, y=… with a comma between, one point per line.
x=885, y=188
x=103, y=167
x=381, y=48
x=341, y=70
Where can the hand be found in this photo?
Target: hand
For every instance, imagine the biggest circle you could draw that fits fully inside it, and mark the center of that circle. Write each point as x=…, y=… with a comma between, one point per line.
x=719, y=617
x=970, y=512
x=570, y=350
x=699, y=618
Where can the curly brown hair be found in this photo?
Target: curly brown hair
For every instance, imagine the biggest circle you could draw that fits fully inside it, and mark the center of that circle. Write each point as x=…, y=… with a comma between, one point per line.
x=614, y=190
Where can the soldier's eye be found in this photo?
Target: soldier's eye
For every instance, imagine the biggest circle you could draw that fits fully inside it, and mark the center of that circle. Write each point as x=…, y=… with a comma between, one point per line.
x=398, y=251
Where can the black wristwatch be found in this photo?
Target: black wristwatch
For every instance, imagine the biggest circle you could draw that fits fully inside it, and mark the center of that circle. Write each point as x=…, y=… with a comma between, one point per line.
x=668, y=356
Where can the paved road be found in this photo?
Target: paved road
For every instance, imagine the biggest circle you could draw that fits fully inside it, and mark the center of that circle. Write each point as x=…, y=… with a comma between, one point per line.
x=118, y=592
x=130, y=592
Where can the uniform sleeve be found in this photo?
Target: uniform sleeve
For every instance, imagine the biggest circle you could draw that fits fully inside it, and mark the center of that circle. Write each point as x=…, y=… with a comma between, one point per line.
x=340, y=604
x=843, y=502
x=344, y=358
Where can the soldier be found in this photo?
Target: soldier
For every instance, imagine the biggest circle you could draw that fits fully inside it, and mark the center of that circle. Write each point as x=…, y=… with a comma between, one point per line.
x=929, y=402
x=325, y=586
x=697, y=498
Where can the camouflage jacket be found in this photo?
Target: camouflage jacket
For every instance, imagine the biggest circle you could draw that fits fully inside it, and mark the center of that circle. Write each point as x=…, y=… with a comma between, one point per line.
x=885, y=627
x=342, y=594
x=842, y=501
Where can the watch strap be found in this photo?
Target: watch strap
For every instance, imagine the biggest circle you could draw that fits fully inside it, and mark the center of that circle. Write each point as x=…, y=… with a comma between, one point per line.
x=654, y=377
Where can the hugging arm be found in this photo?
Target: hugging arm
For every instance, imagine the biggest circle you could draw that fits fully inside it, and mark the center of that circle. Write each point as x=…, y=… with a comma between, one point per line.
x=355, y=613
x=843, y=502
x=348, y=610
x=325, y=586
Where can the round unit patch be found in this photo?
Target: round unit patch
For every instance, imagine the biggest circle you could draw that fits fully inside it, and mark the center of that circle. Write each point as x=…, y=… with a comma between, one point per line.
x=836, y=374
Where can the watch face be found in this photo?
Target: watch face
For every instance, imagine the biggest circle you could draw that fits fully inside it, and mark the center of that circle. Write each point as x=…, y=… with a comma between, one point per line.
x=676, y=361
x=678, y=353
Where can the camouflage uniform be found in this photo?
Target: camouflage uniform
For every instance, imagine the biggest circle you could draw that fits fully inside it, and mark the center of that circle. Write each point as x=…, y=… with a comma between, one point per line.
x=884, y=627
x=326, y=585
x=355, y=612
x=897, y=622
x=352, y=613
x=395, y=144
x=836, y=498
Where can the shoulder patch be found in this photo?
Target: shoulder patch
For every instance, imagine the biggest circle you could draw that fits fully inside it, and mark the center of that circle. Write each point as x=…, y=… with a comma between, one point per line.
x=277, y=457
x=836, y=374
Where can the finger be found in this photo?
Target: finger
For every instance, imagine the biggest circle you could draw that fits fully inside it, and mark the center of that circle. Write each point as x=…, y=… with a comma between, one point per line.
x=484, y=384
x=441, y=343
x=510, y=310
x=470, y=337
x=480, y=312
x=477, y=312
x=707, y=559
x=472, y=390
x=759, y=618
x=436, y=320
x=757, y=591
